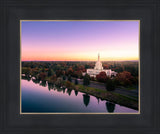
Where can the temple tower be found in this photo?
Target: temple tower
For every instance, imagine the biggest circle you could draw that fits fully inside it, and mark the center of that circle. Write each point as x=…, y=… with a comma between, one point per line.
x=98, y=65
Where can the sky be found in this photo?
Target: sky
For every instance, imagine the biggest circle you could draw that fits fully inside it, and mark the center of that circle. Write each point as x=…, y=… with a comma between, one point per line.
x=79, y=40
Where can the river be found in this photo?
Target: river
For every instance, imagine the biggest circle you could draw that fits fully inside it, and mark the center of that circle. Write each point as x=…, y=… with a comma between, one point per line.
x=43, y=98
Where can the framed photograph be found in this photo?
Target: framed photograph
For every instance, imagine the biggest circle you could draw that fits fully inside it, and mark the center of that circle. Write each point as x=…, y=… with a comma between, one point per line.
x=79, y=67
x=60, y=57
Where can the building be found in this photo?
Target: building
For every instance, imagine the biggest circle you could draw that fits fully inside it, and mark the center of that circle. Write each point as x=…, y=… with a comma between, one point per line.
x=99, y=68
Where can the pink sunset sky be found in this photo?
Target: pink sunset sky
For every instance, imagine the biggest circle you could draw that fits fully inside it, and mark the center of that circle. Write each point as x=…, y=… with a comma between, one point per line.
x=79, y=40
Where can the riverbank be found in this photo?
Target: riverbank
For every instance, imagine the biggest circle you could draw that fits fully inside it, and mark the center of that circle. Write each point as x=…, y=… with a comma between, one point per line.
x=108, y=95
x=133, y=94
x=99, y=93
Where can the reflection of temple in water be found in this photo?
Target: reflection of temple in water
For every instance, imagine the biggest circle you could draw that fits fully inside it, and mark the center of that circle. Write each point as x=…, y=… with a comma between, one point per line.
x=86, y=99
x=110, y=107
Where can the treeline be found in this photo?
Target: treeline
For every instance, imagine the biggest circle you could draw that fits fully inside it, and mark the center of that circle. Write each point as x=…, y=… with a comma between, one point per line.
x=50, y=71
x=74, y=67
x=124, y=79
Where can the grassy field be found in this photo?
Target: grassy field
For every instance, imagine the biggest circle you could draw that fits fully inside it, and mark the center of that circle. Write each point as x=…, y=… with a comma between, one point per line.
x=108, y=95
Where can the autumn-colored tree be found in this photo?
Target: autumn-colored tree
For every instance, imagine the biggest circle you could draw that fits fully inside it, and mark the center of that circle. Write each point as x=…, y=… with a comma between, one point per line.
x=92, y=78
x=75, y=74
x=105, y=66
x=59, y=73
x=46, y=69
x=101, y=77
x=68, y=84
x=26, y=70
x=42, y=76
x=34, y=72
x=79, y=73
x=59, y=82
x=53, y=77
x=124, y=78
x=70, y=71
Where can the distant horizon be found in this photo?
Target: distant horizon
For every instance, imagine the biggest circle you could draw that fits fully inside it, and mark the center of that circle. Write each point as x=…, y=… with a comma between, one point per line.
x=79, y=40
x=74, y=61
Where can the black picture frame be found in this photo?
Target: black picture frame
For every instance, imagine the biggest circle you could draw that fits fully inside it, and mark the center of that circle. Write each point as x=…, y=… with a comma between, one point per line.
x=147, y=11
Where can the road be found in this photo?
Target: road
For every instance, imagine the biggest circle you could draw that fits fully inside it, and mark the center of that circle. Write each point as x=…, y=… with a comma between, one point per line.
x=129, y=93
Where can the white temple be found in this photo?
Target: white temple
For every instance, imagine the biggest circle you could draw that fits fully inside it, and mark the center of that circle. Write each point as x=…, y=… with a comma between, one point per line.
x=99, y=68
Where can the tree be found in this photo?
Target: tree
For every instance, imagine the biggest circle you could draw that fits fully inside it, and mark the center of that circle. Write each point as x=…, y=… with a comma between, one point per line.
x=42, y=76
x=34, y=72
x=75, y=74
x=26, y=70
x=101, y=77
x=68, y=84
x=76, y=82
x=43, y=83
x=59, y=82
x=110, y=85
x=52, y=79
x=125, y=78
x=49, y=72
x=64, y=77
x=43, y=69
x=59, y=73
x=69, y=78
x=92, y=78
x=86, y=80
x=70, y=71
x=105, y=66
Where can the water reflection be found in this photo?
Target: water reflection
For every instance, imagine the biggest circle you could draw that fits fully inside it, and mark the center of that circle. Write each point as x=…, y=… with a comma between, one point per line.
x=50, y=86
x=36, y=81
x=43, y=83
x=57, y=103
x=86, y=99
x=63, y=89
x=59, y=89
x=110, y=107
x=26, y=78
x=69, y=91
x=76, y=92
x=97, y=99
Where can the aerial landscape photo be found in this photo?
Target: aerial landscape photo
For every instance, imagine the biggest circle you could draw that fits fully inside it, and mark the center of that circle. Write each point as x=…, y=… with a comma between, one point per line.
x=80, y=67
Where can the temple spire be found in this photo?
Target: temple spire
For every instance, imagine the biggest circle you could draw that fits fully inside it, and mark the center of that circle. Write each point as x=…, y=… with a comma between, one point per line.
x=98, y=57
